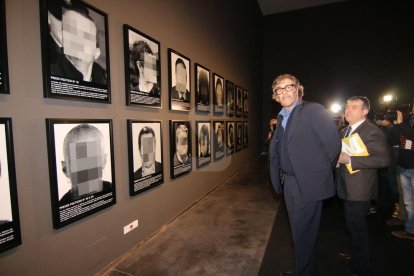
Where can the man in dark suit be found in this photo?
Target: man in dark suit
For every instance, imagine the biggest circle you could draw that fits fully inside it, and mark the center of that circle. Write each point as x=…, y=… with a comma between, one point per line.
x=357, y=189
x=179, y=90
x=303, y=153
x=147, y=149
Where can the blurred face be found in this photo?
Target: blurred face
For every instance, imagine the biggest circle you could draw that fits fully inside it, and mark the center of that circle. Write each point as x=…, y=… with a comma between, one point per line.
x=182, y=141
x=147, y=150
x=181, y=78
x=355, y=111
x=203, y=142
x=79, y=39
x=286, y=98
x=148, y=68
x=219, y=95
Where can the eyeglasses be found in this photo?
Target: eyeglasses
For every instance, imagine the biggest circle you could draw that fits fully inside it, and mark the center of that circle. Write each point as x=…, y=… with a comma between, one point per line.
x=287, y=88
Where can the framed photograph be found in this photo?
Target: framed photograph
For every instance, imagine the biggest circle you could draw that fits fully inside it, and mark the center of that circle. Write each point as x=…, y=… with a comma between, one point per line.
x=81, y=167
x=4, y=72
x=179, y=81
x=239, y=135
x=239, y=101
x=203, y=141
x=142, y=69
x=218, y=95
x=245, y=104
x=75, y=52
x=9, y=209
x=230, y=130
x=230, y=98
x=218, y=139
x=245, y=134
x=202, y=98
x=180, y=148
x=146, y=169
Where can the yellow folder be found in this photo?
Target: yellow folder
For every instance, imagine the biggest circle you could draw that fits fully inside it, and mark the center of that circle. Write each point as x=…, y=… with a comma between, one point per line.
x=353, y=146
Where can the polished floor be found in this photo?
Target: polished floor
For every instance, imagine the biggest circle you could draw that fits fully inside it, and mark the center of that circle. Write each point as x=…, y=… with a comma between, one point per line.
x=225, y=233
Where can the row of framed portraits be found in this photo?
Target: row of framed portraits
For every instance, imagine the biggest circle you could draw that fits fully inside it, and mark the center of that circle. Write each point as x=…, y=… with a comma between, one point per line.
x=75, y=61
x=81, y=163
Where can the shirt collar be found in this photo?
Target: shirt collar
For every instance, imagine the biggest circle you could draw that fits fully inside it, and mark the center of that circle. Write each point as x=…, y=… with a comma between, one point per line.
x=285, y=113
x=357, y=124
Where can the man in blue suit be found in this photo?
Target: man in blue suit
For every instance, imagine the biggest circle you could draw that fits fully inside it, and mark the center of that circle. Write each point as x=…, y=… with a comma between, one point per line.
x=303, y=153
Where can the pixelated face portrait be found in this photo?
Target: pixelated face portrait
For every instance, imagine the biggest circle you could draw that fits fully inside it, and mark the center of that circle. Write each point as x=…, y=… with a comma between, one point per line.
x=230, y=96
x=204, y=140
x=84, y=158
x=219, y=94
x=147, y=150
x=181, y=138
x=150, y=67
x=219, y=135
x=79, y=38
x=203, y=83
x=181, y=77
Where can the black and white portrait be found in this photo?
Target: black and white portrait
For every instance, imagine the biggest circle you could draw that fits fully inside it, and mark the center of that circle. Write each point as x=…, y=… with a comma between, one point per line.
x=180, y=148
x=75, y=49
x=245, y=103
x=179, y=78
x=146, y=166
x=82, y=160
x=219, y=141
x=245, y=134
x=230, y=141
x=218, y=95
x=4, y=72
x=203, y=140
x=9, y=213
x=239, y=101
x=239, y=136
x=230, y=95
x=202, y=98
x=142, y=68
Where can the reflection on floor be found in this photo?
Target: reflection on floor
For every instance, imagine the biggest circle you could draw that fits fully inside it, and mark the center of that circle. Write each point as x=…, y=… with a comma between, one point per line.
x=224, y=234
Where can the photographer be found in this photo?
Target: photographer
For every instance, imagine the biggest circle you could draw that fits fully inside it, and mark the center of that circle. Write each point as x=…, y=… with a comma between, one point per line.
x=402, y=136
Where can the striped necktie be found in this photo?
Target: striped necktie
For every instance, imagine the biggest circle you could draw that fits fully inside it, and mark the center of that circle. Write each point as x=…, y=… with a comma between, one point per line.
x=348, y=131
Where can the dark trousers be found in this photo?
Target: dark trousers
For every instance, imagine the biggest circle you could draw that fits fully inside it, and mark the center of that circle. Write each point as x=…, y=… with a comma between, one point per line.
x=304, y=219
x=356, y=223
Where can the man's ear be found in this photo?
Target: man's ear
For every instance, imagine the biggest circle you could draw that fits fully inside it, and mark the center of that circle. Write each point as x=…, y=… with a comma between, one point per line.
x=97, y=53
x=365, y=112
x=64, y=168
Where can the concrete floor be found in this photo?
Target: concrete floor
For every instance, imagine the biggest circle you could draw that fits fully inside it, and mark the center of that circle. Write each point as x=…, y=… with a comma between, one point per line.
x=225, y=233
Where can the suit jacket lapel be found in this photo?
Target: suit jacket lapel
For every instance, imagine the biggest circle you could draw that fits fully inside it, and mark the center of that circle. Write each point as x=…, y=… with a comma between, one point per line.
x=291, y=127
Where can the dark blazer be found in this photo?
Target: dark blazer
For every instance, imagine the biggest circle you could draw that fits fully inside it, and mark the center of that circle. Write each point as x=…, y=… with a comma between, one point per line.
x=362, y=185
x=314, y=146
x=138, y=172
x=176, y=95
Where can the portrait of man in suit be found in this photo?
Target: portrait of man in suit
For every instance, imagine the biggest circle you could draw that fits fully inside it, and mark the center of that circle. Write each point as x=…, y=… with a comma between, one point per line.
x=147, y=146
x=303, y=153
x=179, y=91
x=359, y=188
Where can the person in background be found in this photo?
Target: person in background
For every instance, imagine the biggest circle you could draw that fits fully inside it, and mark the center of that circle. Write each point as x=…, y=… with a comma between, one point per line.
x=147, y=146
x=302, y=156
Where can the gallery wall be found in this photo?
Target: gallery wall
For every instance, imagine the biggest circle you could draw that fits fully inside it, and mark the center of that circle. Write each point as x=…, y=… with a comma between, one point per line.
x=223, y=36
x=340, y=50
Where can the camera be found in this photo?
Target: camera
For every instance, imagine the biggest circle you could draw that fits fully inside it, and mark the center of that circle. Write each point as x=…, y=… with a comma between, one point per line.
x=391, y=113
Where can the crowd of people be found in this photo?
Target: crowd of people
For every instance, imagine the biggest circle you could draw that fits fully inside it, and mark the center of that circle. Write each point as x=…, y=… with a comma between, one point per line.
x=362, y=161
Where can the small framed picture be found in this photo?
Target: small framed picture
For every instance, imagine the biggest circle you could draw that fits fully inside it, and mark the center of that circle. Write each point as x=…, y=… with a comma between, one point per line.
x=218, y=95
x=239, y=101
x=203, y=141
x=142, y=69
x=9, y=213
x=230, y=130
x=145, y=155
x=218, y=139
x=4, y=72
x=180, y=148
x=239, y=135
x=179, y=81
x=202, y=98
x=245, y=134
x=75, y=52
x=245, y=104
x=230, y=98
x=81, y=167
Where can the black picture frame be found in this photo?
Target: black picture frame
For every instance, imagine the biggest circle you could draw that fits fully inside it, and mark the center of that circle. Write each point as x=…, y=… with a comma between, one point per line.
x=245, y=103
x=81, y=168
x=239, y=136
x=144, y=139
x=4, y=71
x=62, y=59
x=219, y=140
x=183, y=131
x=142, y=60
x=230, y=96
x=245, y=135
x=230, y=137
x=203, y=142
x=202, y=89
x=183, y=64
x=239, y=101
x=218, y=94
x=10, y=235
